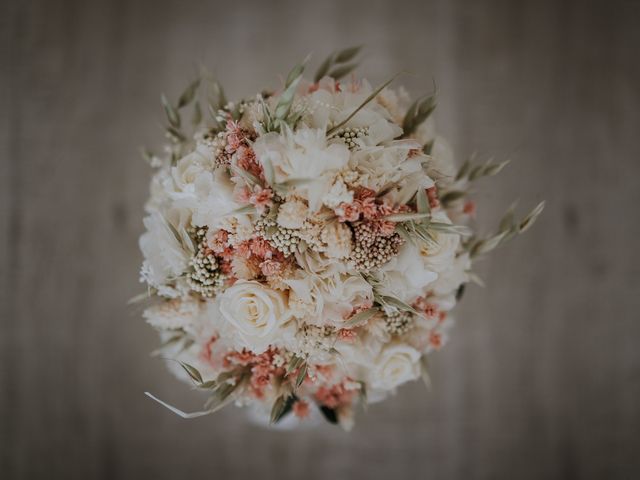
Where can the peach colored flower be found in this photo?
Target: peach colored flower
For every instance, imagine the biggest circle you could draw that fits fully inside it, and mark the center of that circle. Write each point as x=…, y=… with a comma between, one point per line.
x=270, y=267
x=261, y=248
x=301, y=409
x=261, y=198
x=347, y=335
x=469, y=208
x=368, y=208
x=334, y=396
x=348, y=212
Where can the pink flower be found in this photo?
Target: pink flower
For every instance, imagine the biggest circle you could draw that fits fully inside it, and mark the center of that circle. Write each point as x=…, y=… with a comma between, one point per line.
x=261, y=248
x=235, y=136
x=334, y=396
x=386, y=229
x=301, y=409
x=261, y=198
x=270, y=267
x=347, y=335
x=219, y=241
x=348, y=212
x=469, y=208
x=428, y=308
x=368, y=207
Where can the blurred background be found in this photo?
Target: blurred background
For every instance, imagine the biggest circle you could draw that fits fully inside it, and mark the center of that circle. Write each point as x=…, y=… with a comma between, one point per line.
x=541, y=378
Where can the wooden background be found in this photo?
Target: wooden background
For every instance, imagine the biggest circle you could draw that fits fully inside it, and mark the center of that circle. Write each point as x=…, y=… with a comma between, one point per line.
x=542, y=377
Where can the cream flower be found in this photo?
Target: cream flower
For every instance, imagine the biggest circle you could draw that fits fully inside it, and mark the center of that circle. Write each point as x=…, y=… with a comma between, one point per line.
x=174, y=314
x=292, y=213
x=336, y=237
x=439, y=255
x=257, y=313
x=165, y=257
x=405, y=276
x=396, y=364
x=189, y=167
x=454, y=276
x=303, y=155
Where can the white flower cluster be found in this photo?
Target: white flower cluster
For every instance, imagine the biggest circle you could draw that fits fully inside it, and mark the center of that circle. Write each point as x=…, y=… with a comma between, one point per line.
x=301, y=246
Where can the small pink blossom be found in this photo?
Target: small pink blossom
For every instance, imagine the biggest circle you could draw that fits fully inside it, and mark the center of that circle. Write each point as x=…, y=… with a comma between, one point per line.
x=218, y=241
x=334, y=396
x=469, y=208
x=432, y=195
x=435, y=340
x=369, y=208
x=386, y=228
x=348, y=212
x=235, y=136
x=270, y=267
x=261, y=198
x=261, y=248
x=347, y=335
x=301, y=409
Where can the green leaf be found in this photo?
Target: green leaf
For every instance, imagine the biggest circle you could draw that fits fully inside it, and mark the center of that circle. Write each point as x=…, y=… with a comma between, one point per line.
x=172, y=115
x=176, y=134
x=196, y=118
x=286, y=98
x=373, y=95
x=337, y=58
x=208, y=385
x=493, y=169
x=405, y=217
x=347, y=54
x=397, y=303
x=295, y=363
x=323, y=69
x=428, y=147
x=417, y=113
x=279, y=408
x=452, y=196
x=530, y=219
x=302, y=374
x=464, y=169
x=488, y=244
x=192, y=372
x=248, y=177
x=189, y=94
x=451, y=229
x=329, y=414
x=507, y=221
x=343, y=70
x=422, y=201
x=360, y=318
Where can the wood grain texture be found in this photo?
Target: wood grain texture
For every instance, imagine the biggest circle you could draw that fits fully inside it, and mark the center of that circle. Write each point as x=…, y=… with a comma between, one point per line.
x=542, y=376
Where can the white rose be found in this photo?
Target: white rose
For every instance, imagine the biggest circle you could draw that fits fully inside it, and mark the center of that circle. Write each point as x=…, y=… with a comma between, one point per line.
x=395, y=365
x=406, y=276
x=190, y=166
x=258, y=313
x=450, y=280
x=439, y=256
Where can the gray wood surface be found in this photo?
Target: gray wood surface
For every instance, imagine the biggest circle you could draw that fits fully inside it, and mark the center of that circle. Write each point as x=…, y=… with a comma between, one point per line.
x=542, y=376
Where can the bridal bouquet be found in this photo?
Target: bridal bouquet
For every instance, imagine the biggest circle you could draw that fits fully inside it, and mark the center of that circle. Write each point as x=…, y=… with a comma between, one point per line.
x=305, y=247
